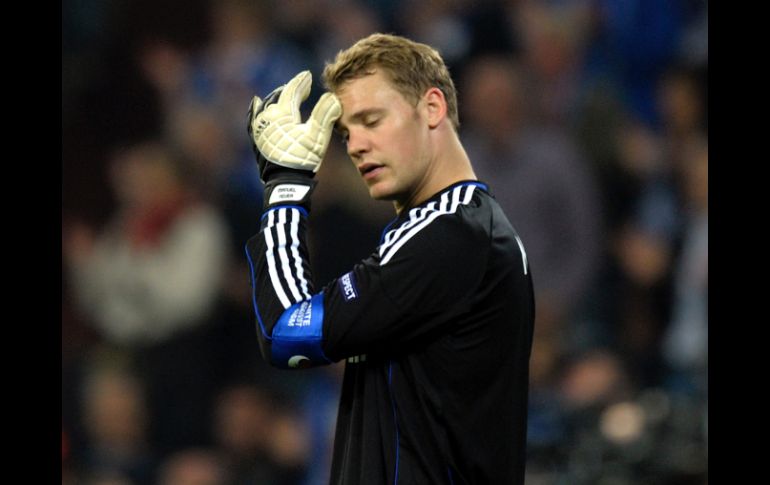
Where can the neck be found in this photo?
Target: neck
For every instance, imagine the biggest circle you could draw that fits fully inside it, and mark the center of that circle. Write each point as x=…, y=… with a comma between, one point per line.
x=449, y=164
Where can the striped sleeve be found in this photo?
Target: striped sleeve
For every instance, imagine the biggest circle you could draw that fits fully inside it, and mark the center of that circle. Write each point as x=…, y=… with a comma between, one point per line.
x=285, y=266
x=279, y=265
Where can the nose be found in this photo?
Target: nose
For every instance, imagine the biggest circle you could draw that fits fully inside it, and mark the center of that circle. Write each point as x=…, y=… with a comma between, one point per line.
x=358, y=144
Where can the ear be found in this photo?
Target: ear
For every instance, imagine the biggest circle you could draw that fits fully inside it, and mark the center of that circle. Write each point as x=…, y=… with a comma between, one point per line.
x=435, y=106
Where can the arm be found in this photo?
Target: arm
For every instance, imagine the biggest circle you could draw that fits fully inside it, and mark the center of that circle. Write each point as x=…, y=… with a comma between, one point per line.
x=288, y=316
x=288, y=153
x=375, y=308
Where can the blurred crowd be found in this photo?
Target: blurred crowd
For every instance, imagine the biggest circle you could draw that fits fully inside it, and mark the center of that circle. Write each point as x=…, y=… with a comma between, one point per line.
x=589, y=120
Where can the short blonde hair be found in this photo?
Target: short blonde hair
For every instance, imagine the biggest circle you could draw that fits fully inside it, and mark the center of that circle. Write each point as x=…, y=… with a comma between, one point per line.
x=412, y=67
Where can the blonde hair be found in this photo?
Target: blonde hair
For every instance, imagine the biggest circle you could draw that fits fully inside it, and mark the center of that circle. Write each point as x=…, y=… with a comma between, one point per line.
x=412, y=68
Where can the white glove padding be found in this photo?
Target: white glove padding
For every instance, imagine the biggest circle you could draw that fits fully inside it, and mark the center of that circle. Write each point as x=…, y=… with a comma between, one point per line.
x=279, y=134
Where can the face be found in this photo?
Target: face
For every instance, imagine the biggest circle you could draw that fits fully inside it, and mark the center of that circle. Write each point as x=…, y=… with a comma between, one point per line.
x=387, y=138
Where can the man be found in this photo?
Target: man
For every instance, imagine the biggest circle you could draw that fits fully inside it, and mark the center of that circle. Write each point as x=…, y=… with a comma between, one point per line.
x=436, y=325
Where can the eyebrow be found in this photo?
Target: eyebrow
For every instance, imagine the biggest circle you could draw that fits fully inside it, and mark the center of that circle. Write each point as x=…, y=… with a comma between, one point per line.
x=357, y=117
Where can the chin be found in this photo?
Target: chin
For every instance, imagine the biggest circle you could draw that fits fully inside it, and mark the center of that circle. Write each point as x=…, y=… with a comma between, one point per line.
x=381, y=193
x=377, y=196
x=376, y=192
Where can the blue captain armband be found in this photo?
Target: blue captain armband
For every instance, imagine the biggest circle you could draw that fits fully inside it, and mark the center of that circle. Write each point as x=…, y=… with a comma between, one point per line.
x=298, y=335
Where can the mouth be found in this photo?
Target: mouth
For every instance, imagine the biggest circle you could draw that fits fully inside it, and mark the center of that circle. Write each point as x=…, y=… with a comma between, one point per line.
x=370, y=170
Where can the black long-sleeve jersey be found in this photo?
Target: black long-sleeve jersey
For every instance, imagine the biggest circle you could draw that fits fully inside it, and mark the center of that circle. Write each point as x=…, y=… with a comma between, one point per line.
x=436, y=327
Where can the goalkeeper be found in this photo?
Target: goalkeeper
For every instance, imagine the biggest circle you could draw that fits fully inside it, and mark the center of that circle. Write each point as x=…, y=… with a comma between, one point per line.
x=436, y=325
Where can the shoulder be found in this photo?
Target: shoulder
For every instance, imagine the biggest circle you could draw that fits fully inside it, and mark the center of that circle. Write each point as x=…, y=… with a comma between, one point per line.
x=440, y=250
x=451, y=224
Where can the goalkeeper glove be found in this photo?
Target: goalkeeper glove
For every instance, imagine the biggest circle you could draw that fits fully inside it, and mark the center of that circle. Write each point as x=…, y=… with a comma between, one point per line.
x=290, y=152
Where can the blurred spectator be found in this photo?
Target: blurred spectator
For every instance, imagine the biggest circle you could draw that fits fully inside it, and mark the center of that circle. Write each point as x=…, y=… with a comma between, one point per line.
x=594, y=380
x=554, y=36
x=680, y=103
x=643, y=243
x=193, y=467
x=115, y=417
x=149, y=281
x=648, y=224
x=685, y=343
x=156, y=268
x=242, y=428
x=289, y=446
x=263, y=444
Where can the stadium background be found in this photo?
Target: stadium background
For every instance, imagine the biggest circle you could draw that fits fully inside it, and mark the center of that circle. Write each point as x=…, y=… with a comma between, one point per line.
x=589, y=120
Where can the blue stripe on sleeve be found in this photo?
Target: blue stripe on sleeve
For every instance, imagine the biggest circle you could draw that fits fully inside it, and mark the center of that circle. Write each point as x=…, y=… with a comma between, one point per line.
x=254, y=296
x=395, y=420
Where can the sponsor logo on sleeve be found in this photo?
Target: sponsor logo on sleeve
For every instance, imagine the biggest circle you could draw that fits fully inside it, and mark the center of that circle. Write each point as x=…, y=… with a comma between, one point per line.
x=348, y=287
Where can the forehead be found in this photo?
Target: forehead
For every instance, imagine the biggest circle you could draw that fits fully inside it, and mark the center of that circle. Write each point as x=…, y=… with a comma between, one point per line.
x=371, y=91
